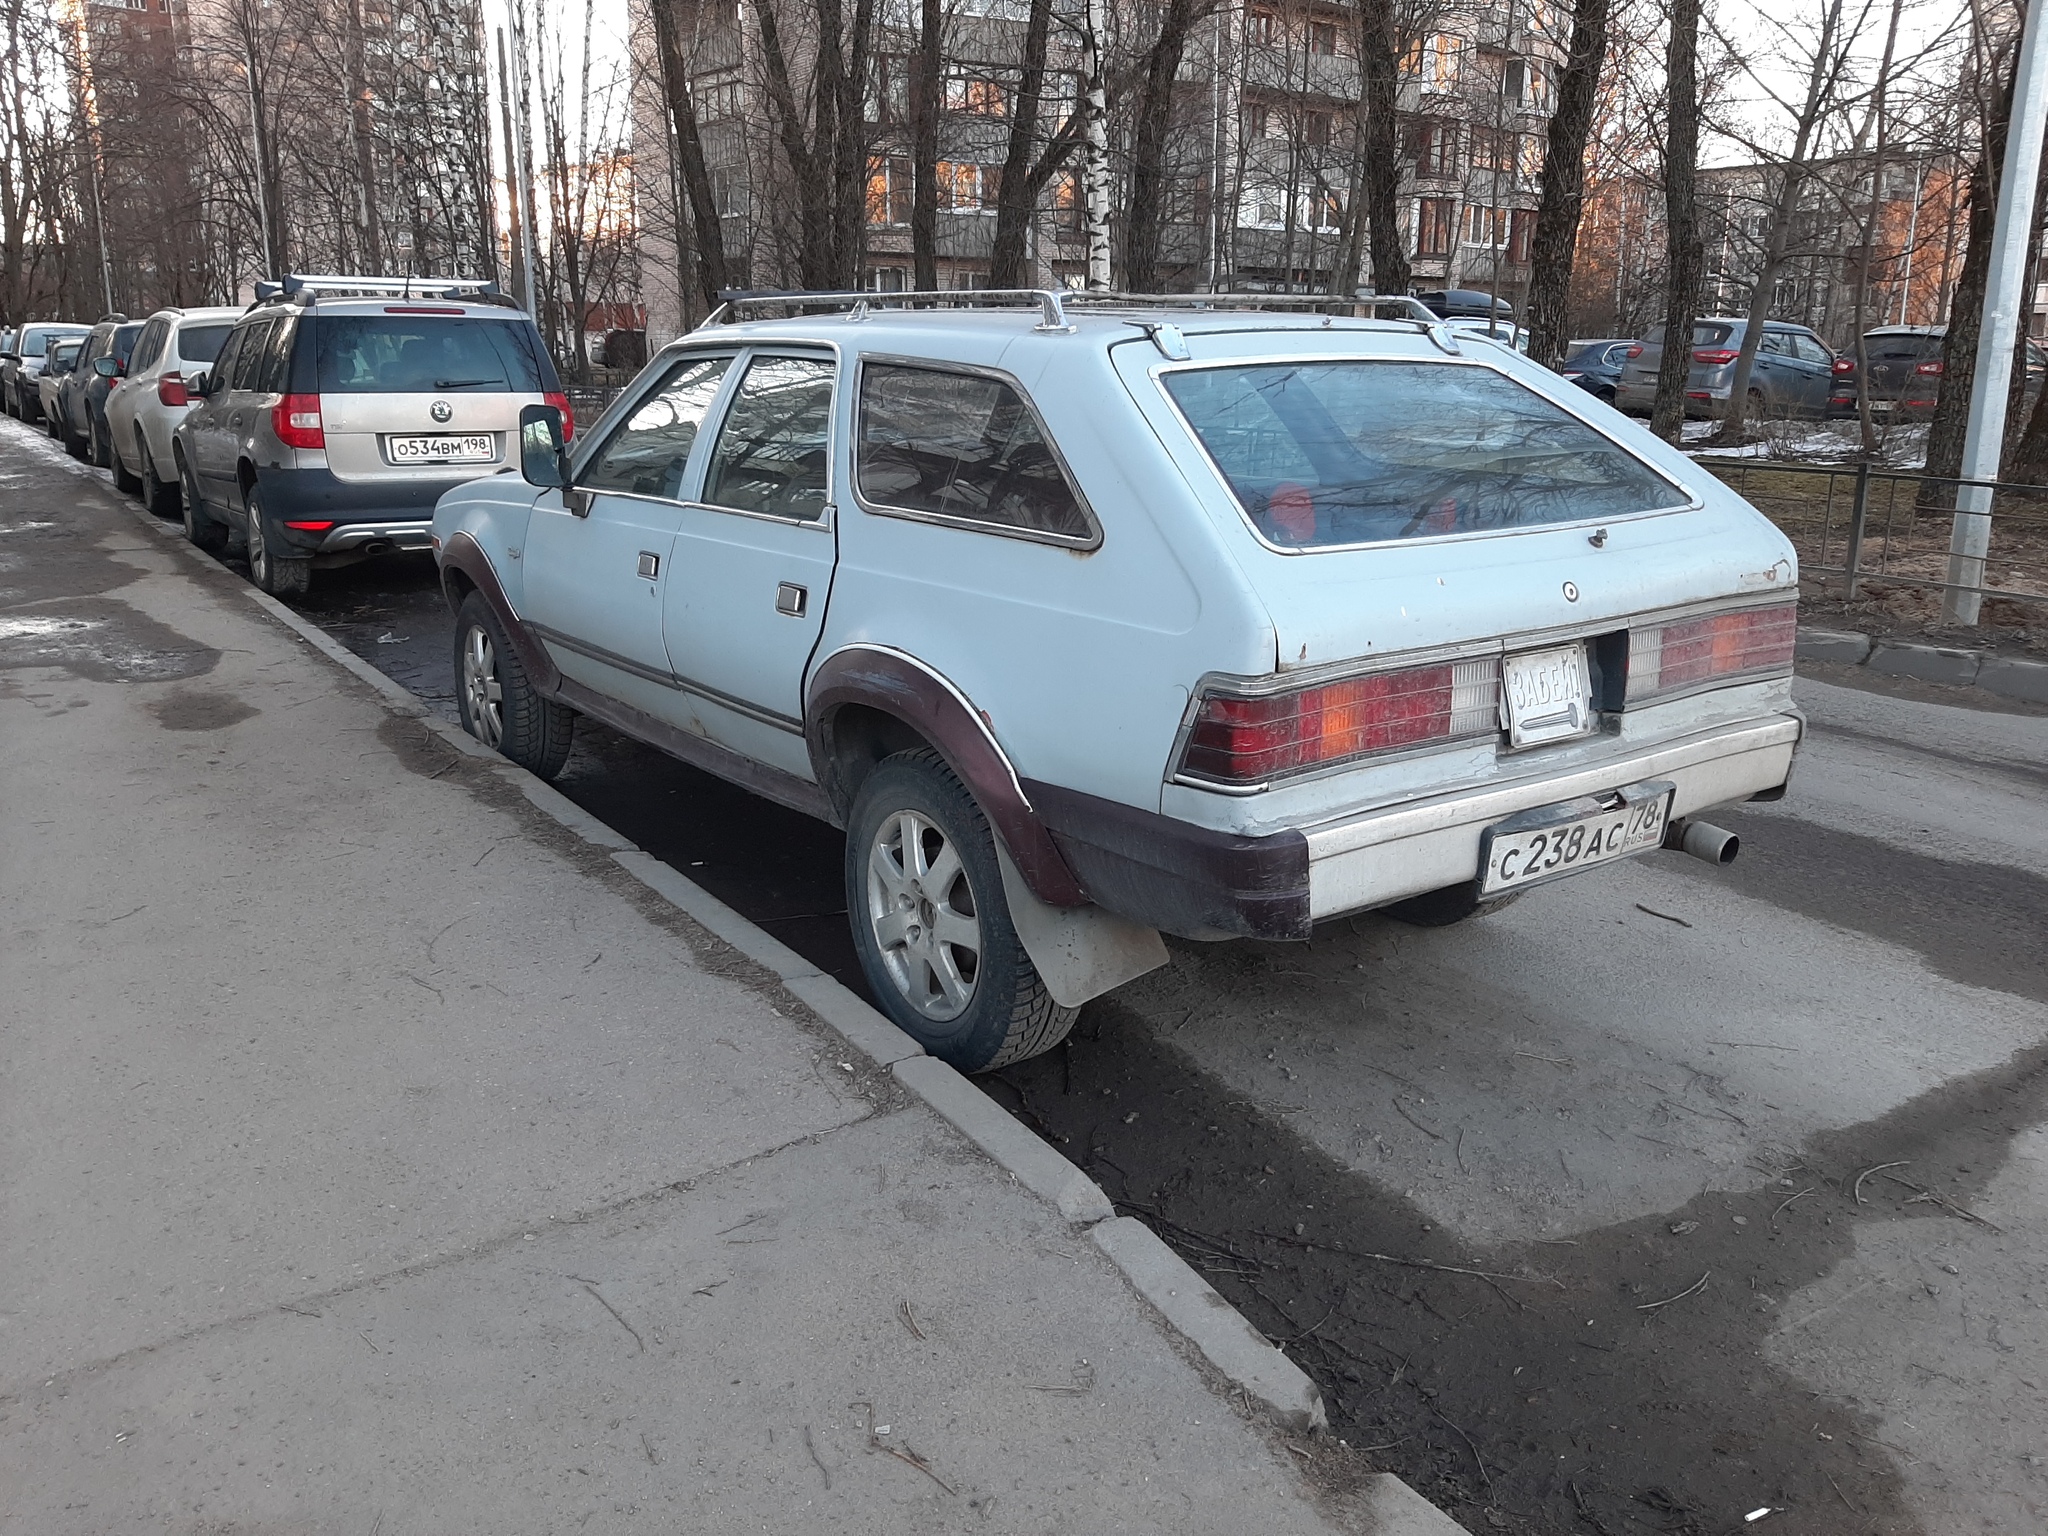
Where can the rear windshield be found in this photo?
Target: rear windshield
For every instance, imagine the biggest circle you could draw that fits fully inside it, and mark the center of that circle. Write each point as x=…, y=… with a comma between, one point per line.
x=35, y=338
x=1705, y=333
x=202, y=343
x=1324, y=454
x=1901, y=349
x=428, y=354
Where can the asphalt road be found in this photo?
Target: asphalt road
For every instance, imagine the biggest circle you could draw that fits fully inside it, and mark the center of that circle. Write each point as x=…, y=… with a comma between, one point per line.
x=1666, y=1196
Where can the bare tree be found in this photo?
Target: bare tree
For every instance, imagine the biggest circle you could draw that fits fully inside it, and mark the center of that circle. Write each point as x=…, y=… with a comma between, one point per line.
x=1683, y=255
x=673, y=20
x=1152, y=116
x=1562, y=202
x=823, y=136
x=1030, y=160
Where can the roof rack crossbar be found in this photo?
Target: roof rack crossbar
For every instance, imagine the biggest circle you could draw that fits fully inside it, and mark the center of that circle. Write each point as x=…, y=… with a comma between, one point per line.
x=1055, y=303
x=297, y=284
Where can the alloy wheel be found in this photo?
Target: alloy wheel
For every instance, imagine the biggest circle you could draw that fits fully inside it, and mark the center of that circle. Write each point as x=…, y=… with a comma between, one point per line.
x=922, y=912
x=481, y=690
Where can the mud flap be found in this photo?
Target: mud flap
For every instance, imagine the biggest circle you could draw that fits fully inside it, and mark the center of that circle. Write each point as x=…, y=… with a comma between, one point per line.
x=1080, y=952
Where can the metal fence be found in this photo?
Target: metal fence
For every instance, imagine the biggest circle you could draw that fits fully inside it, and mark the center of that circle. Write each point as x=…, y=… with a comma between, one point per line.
x=1864, y=524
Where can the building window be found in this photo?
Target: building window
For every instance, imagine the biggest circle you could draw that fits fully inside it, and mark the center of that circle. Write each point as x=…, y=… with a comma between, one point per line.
x=1315, y=127
x=1521, y=230
x=1434, y=219
x=1265, y=30
x=890, y=102
x=1486, y=226
x=1322, y=38
x=965, y=188
x=1489, y=150
x=1533, y=148
x=1325, y=210
x=889, y=191
x=976, y=94
x=1069, y=207
x=1433, y=145
x=888, y=280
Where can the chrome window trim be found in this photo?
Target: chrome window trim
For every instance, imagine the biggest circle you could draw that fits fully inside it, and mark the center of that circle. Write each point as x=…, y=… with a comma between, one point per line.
x=1091, y=542
x=712, y=412
x=694, y=476
x=1158, y=372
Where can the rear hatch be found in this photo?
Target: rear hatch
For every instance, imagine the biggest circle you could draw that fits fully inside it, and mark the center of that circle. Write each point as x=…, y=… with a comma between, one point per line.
x=1383, y=497
x=1893, y=361
x=418, y=392
x=1707, y=335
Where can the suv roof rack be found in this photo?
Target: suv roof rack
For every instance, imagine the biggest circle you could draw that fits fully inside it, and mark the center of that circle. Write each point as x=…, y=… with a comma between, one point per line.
x=305, y=288
x=1053, y=303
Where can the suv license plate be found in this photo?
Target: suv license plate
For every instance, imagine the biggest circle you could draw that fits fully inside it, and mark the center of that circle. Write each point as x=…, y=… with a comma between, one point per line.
x=472, y=448
x=1546, y=695
x=1555, y=840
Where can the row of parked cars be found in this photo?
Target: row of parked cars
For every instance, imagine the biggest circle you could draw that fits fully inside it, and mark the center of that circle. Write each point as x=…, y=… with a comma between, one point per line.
x=1796, y=374
x=314, y=427
x=1088, y=619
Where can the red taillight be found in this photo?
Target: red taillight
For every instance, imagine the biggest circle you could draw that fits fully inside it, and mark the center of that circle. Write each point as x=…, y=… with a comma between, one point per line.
x=1664, y=657
x=1635, y=351
x=561, y=403
x=311, y=527
x=1250, y=740
x=1715, y=356
x=1845, y=365
x=296, y=421
x=170, y=389
x=1932, y=370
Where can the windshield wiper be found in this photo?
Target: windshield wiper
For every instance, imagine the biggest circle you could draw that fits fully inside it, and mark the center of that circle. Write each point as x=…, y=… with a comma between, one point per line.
x=461, y=383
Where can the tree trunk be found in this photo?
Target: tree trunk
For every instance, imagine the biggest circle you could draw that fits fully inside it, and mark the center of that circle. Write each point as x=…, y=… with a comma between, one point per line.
x=1683, y=254
x=689, y=151
x=1379, y=57
x=1145, y=213
x=1558, y=210
x=1022, y=183
x=925, y=100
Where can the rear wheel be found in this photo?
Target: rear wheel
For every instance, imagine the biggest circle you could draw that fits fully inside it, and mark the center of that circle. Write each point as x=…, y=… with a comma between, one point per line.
x=125, y=480
x=159, y=497
x=500, y=705
x=98, y=451
x=200, y=527
x=279, y=575
x=924, y=895
x=74, y=442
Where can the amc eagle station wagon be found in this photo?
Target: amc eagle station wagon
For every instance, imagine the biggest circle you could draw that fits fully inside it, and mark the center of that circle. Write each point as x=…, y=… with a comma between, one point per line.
x=1091, y=621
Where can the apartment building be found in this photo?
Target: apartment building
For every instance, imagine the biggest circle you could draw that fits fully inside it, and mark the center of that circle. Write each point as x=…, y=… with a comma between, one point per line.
x=1263, y=164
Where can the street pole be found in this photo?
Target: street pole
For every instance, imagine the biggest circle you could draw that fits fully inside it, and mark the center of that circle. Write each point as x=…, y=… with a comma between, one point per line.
x=2004, y=302
x=1095, y=149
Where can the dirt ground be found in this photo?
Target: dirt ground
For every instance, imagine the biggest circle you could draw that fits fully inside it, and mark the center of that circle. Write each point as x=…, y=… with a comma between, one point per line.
x=1891, y=612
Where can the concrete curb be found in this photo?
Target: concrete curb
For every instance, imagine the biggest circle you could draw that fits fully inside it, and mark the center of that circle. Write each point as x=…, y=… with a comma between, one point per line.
x=2007, y=676
x=1188, y=1304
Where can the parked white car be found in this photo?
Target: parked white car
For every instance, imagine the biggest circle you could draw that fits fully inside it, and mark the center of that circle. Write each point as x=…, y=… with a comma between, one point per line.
x=1092, y=621
x=151, y=400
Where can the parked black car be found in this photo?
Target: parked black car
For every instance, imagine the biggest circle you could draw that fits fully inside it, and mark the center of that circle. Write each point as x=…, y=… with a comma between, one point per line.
x=83, y=399
x=1905, y=373
x=1595, y=366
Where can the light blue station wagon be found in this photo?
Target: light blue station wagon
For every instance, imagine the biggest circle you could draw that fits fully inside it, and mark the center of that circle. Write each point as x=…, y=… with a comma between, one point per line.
x=1092, y=619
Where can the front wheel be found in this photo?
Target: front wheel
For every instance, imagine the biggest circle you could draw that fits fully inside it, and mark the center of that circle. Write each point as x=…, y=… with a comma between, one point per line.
x=500, y=706
x=924, y=895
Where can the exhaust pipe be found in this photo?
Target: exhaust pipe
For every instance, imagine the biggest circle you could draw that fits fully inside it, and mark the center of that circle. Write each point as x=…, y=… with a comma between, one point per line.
x=1717, y=845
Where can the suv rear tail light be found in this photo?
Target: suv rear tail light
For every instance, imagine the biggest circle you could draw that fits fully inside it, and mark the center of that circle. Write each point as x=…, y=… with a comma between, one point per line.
x=1715, y=356
x=170, y=389
x=1845, y=365
x=311, y=527
x=1663, y=658
x=1932, y=370
x=1635, y=351
x=1245, y=741
x=296, y=422
x=560, y=402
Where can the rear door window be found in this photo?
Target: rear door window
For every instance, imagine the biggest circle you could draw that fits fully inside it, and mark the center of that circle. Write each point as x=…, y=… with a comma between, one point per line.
x=277, y=351
x=429, y=354
x=650, y=451
x=962, y=447
x=249, y=357
x=202, y=343
x=1810, y=349
x=1777, y=343
x=151, y=346
x=1321, y=455
x=223, y=369
x=771, y=455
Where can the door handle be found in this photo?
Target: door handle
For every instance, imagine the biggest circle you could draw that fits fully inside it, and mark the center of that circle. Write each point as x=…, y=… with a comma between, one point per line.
x=791, y=600
x=650, y=564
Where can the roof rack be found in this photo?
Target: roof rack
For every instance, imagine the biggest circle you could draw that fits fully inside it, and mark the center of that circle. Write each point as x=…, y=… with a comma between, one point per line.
x=1053, y=304
x=304, y=288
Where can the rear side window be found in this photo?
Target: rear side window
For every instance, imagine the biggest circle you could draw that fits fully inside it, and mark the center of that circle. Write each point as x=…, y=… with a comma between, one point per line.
x=249, y=357
x=1327, y=454
x=202, y=343
x=771, y=450
x=151, y=346
x=124, y=341
x=429, y=354
x=965, y=447
x=648, y=453
x=276, y=360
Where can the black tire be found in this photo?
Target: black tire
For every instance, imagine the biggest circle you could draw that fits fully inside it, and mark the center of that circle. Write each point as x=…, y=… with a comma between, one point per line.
x=74, y=443
x=158, y=496
x=200, y=528
x=279, y=575
x=1451, y=905
x=126, y=481
x=99, y=452
x=899, y=905
x=50, y=425
x=499, y=705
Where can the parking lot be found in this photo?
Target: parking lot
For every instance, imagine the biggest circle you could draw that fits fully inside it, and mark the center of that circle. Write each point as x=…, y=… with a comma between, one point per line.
x=1665, y=1192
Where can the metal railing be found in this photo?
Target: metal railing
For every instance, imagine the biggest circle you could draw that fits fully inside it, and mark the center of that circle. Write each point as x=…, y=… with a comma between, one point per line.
x=1864, y=524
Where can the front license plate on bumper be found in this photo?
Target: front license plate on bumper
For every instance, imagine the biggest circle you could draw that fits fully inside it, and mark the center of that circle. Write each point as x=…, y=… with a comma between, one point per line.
x=469, y=448
x=1554, y=840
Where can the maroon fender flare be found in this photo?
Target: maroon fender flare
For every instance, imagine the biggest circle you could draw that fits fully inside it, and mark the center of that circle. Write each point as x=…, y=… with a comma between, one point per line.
x=463, y=554
x=896, y=685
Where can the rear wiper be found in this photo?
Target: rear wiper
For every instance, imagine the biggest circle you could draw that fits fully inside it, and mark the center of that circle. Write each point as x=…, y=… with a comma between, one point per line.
x=461, y=383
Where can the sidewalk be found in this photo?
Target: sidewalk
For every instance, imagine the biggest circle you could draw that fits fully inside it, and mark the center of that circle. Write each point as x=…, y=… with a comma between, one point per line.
x=381, y=1155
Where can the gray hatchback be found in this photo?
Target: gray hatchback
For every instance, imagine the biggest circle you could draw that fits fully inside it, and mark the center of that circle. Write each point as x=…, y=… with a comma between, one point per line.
x=341, y=408
x=1793, y=370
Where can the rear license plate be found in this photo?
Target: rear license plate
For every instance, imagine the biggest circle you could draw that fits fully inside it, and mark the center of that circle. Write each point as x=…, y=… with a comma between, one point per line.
x=470, y=448
x=1547, y=695
x=1554, y=840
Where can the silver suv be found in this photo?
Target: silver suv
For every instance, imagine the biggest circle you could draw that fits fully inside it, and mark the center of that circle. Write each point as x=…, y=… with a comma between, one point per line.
x=341, y=408
x=1791, y=376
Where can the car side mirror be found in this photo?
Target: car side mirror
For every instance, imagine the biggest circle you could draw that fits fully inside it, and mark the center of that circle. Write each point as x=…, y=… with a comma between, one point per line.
x=199, y=385
x=543, y=457
x=107, y=367
x=10, y=357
